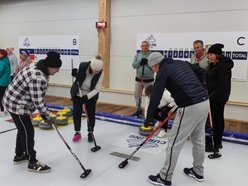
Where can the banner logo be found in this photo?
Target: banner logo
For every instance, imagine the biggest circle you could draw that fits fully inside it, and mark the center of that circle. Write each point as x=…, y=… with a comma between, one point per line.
x=135, y=141
x=151, y=40
x=26, y=42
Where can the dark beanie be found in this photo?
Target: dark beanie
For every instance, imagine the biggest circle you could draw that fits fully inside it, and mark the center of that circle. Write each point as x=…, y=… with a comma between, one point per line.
x=216, y=49
x=53, y=60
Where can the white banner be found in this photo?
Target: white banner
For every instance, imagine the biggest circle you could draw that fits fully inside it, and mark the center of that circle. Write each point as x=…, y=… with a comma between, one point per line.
x=38, y=46
x=180, y=46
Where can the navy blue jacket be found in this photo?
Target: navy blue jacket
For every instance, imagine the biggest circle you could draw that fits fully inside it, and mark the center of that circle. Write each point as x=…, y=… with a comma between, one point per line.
x=183, y=80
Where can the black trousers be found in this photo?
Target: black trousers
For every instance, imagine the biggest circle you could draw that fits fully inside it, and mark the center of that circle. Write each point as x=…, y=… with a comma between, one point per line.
x=90, y=106
x=2, y=91
x=217, y=111
x=25, y=136
x=161, y=114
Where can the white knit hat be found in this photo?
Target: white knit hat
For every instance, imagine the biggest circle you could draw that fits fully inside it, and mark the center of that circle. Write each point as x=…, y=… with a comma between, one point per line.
x=154, y=58
x=96, y=64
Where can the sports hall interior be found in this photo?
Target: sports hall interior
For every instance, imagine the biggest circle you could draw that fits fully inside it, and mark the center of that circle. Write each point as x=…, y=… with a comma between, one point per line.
x=118, y=42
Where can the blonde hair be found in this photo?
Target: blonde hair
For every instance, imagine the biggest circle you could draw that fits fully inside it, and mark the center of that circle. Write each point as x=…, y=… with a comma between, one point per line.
x=99, y=56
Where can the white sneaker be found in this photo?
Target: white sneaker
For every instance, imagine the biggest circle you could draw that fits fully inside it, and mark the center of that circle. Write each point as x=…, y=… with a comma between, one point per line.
x=157, y=123
x=162, y=134
x=2, y=114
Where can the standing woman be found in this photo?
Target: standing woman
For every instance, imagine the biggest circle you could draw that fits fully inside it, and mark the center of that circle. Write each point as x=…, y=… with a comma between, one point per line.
x=4, y=77
x=24, y=60
x=85, y=91
x=13, y=62
x=219, y=87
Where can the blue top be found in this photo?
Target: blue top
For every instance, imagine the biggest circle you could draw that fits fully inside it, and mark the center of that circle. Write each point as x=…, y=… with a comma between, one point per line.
x=4, y=72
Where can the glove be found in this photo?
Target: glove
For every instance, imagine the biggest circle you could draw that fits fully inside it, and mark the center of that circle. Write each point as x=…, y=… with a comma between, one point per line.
x=143, y=61
x=49, y=120
x=84, y=99
x=148, y=123
x=74, y=72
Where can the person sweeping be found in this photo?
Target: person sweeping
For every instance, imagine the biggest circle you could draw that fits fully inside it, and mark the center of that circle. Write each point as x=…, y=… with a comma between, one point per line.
x=24, y=95
x=85, y=91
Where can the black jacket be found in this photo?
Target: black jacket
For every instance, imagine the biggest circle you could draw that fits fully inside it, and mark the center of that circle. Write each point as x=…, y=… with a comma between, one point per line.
x=183, y=80
x=219, y=80
x=80, y=77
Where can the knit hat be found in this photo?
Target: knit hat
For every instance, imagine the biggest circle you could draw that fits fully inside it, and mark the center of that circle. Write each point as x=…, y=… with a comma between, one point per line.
x=154, y=58
x=25, y=53
x=53, y=60
x=216, y=49
x=96, y=63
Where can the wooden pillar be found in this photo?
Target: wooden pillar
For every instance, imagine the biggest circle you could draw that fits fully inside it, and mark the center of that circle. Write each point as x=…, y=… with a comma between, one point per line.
x=104, y=10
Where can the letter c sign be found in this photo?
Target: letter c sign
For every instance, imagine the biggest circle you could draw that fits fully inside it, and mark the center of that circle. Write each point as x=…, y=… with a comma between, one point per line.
x=240, y=42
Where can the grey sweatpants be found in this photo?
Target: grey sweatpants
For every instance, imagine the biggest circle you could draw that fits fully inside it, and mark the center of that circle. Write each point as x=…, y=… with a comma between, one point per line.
x=189, y=121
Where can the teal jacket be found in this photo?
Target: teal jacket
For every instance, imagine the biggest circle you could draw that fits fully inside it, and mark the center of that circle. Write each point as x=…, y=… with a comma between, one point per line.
x=4, y=72
x=148, y=73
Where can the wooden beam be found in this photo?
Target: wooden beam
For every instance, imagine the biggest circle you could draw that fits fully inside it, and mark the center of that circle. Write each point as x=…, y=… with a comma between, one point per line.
x=104, y=9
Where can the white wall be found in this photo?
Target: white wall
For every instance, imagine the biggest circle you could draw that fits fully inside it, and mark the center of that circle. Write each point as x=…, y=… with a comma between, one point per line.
x=51, y=17
x=128, y=17
x=132, y=17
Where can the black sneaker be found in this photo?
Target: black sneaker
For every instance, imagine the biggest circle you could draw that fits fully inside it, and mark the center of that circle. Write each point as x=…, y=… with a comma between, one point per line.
x=137, y=113
x=19, y=159
x=38, y=167
x=90, y=138
x=157, y=180
x=190, y=172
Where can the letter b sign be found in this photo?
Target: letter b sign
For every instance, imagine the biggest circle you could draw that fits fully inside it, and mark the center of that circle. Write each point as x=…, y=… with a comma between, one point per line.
x=74, y=41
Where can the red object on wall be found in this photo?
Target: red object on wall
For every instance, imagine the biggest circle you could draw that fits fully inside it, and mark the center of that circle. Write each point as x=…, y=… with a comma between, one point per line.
x=101, y=25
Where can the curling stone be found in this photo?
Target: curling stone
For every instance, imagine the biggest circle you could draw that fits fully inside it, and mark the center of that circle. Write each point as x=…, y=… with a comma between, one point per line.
x=52, y=115
x=61, y=120
x=36, y=121
x=145, y=131
x=62, y=113
x=68, y=111
x=45, y=126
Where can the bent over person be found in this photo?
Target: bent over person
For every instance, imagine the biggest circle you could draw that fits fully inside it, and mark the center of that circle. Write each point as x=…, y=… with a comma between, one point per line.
x=185, y=83
x=23, y=96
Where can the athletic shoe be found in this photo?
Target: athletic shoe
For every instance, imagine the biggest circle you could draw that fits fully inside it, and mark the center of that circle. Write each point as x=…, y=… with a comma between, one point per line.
x=214, y=155
x=137, y=113
x=2, y=114
x=162, y=134
x=38, y=167
x=157, y=180
x=77, y=137
x=19, y=159
x=90, y=138
x=190, y=172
